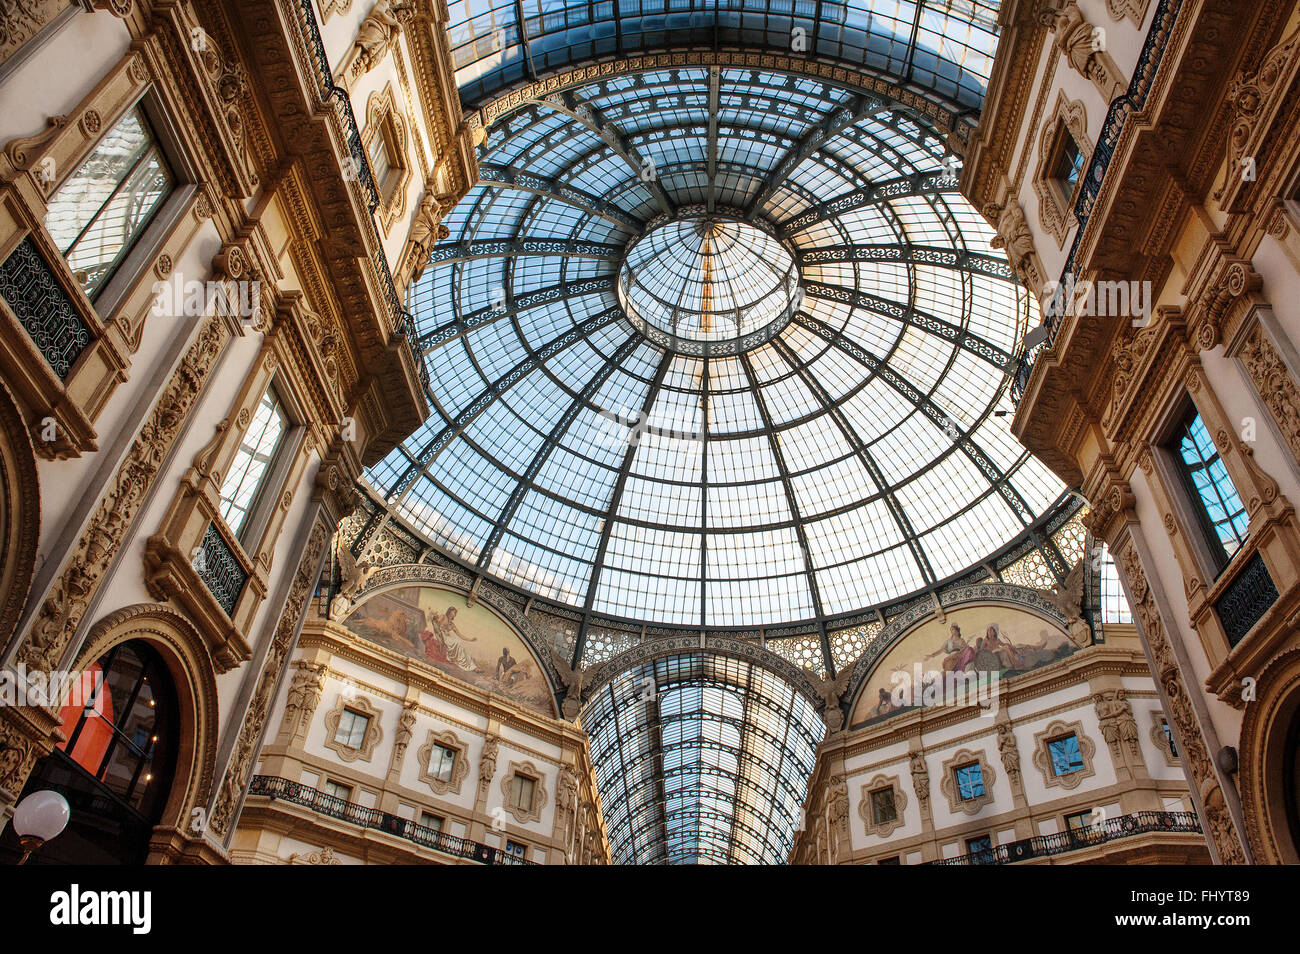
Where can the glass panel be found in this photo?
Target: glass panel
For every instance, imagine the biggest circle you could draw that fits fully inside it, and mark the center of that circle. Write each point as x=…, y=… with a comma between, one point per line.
x=352, y=729
x=442, y=762
x=1065, y=754
x=380, y=164
x=970, y=781
x=1212, y=489
x=1114, y=604
x=522, y=795
x=882, y=805
x=99, y=211
x=253, y=462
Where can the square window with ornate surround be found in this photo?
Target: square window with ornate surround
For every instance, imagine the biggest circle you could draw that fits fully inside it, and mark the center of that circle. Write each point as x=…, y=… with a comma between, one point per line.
x=1063, y=154
x=881, y=805
x=432, y=822
x=387, y=146
x=1078, y=821
x=967, y=781
x=524, y=791
x=352, y=728
x=1063, y=753
x=443, y=765
x=517, y=848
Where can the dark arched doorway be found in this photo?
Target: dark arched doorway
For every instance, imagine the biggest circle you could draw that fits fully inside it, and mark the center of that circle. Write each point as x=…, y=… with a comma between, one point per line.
x=116, y=766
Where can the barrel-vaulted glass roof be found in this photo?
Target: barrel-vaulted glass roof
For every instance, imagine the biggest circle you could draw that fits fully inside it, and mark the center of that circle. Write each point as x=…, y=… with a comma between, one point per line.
x=850, y=452
x=701, y=759
x=941, y=45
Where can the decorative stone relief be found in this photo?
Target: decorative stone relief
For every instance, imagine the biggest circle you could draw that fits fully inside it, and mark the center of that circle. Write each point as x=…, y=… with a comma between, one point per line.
x=1276, y=388
x=1118, y=727
x=1221, y=828
x=235, y=780
x=1009, y=751
x=1161, y=739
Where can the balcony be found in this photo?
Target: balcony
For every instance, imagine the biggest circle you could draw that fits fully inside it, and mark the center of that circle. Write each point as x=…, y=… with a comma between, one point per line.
x=274, y=787
x=1076, y=839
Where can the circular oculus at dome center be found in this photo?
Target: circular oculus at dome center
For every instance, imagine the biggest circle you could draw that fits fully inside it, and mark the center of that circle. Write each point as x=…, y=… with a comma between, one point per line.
x=708, y=286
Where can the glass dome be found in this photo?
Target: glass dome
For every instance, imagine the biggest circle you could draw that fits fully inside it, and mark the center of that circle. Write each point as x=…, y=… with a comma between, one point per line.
x=719, y=346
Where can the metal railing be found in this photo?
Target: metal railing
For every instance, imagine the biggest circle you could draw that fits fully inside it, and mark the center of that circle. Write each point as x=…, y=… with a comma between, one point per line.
x=1132, y=100
x=403, y=321
x=273, y=787
x=1113, y=829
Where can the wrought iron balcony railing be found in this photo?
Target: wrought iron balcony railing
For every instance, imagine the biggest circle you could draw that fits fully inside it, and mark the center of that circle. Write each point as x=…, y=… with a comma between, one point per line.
x=1132, y=100
x=273, y=787
x=403, y=321
x=1113, y=829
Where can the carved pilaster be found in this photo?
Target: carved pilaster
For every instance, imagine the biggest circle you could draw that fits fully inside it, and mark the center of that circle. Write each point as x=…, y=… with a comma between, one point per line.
x=1118, y=728
x=1191, y=742
x=1084, y=47
x=1274, y=384
x=230, y=792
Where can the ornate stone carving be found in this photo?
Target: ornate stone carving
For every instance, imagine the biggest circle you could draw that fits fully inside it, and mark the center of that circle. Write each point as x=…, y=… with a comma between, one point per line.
x=837, y=811
x=1068, y=598
x=426, y=231
x=1015, y=236
x=402, y=737
x=1135, y=10
x=1083, y=47
x=487, y=764
x=831, y=691
x=377, y=35
x=1009, y=751
x=572, y=678
x=1118, y=727
x=1276, y=388
x=459, y=767
x=1179, y=706
x=325, y=856
x=235, y=780
x=1054, y=212
x=1248, y=97
x=1236, y=280
x=921, y=782
x=21, y=20
x=305, y=691
x=62, y=610
x=1160, y=738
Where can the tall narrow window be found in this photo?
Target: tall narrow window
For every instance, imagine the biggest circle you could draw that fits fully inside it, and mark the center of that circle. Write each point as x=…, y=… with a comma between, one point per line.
x=442, y=761
x=883, y=808
x=970, y=781
x=102, y=208
x=521, y=793
x=1067, y=164
x=1114, y=605
x=1218, y=507
x=382, y=160
x=254, y=462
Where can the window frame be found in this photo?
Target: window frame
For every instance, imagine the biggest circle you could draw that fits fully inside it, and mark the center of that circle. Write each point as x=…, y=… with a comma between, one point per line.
x=131, y=267
x=1188, y=500
x=258, y=513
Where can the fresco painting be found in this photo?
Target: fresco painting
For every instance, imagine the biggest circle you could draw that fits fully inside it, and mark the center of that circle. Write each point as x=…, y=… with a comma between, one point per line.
x=471, y=643
x=987, y=643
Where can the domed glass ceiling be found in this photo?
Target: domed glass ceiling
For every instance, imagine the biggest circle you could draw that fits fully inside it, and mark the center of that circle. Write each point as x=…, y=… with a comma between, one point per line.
x=634, y=412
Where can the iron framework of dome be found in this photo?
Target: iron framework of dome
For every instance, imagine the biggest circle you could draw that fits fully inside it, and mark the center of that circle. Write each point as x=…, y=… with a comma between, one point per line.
x=845, y=458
